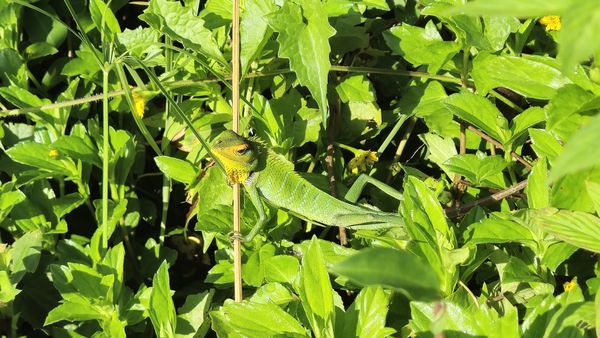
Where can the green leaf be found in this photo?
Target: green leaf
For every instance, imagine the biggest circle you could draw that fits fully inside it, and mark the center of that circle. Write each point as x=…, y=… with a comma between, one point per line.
x=39, y=49
x=576, y=40
x=253, y=271
x=524, y=121
x=67, y=203
x=485, y=171
x=139, y=41
x=464, y=319
x=192, y=320
x=358, y=94
x=306, y=126
x=479, y=112
x=8, y=199
x=21, y=97
x=391, y=268
x=556, y=253
x=421, y=46
x=213, y=189
x=432, y=240
x=574, y=227
x=25, y=255
x=40, y=155
x=530, y=76
x=351, y=34
x=315, y=291
x=247, y=319
x=580, y=153
x=77, y=149
x=8, y=291
x=538, y=193
x=498, y=230
x=304, y=32
x=593, y=190
x=517, y=271
x=570, y=191
x=161, y=309
x=498, y=29
x=254, y=30
x=565, y=110
x=176, y=169
x=274, y=293
x=103, y=16
x=115, y=214
x=545, y=144
x=11, y=63
x=372, y=304
x=440, y=150
x=73, y=311
x=179, y=23
x=283, y=269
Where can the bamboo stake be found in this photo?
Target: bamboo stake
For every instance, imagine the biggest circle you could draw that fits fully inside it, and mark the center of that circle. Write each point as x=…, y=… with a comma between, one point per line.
x=235, y=99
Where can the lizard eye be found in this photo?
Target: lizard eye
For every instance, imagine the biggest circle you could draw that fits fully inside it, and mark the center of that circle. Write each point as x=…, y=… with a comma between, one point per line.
x=243, y=151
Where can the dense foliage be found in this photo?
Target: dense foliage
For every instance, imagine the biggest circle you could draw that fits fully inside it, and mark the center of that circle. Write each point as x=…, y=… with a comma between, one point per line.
x=483, y=118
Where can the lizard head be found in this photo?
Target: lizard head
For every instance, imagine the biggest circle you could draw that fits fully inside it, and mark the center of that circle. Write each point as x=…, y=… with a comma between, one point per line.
x=237, y=154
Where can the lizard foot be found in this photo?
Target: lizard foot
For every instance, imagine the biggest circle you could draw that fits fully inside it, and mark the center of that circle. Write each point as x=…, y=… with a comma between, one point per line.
x=235, y=236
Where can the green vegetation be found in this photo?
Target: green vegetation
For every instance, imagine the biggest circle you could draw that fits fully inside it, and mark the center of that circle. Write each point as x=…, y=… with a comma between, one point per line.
x=484, y=118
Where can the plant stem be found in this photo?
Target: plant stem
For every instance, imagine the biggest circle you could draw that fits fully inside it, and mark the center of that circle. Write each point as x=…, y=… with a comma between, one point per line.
x=455, y=212
x=499, y=145
x=409, y=128
x=105, y=155
x=235, y=101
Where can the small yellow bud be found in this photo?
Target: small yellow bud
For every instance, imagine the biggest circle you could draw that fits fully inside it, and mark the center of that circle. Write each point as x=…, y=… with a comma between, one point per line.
x=550, y=22
x=568, y=286
x=53, y=153
x=138, y=104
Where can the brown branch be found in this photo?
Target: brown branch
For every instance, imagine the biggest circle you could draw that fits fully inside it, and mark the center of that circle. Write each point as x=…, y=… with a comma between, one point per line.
x=455, y=212
x=462, y=150
x=499, y=145
x=329, y=161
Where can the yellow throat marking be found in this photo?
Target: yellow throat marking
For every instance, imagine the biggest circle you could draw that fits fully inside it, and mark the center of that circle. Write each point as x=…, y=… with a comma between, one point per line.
x=236, y=169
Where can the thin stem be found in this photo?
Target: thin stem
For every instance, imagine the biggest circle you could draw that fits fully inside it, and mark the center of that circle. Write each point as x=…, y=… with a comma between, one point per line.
x=62, y=104
x=235, y=101
x=392, y=134
x=462, y=150
x=392, y=72
x=409, y=128
x=464, y=73
x=455, y=212
x=506, y=101
x=166, y=182
x=105, y=155
x=499, y=145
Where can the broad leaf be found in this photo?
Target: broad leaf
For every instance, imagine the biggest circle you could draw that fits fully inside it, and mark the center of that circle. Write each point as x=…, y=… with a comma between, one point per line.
x=303, y=38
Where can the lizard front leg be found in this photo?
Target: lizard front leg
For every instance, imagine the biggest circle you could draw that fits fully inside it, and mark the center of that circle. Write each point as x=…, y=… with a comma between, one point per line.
x=262, y=217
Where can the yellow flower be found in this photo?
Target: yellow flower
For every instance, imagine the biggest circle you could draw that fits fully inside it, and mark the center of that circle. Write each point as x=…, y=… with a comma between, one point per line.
x=550, y=22
x=568, y=286
x=53, y=153
x=138, y=104
x=362, y=161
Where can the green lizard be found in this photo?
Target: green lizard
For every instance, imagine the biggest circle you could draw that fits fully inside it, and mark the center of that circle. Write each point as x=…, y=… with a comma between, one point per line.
x=266, y=175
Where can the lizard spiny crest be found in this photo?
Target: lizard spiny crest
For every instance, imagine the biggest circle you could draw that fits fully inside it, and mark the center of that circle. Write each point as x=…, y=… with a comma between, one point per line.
x=237, y=154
